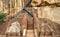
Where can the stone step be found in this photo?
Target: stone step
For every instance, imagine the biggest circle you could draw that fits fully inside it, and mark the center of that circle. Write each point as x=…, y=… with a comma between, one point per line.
x=13, y=36
x=30, y=33
x=29, y=30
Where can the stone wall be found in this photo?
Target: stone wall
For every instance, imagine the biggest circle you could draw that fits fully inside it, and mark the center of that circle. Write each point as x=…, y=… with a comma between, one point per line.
x=50, y=13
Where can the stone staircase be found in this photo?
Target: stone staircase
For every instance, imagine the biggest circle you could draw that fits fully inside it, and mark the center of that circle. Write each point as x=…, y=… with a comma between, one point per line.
x=13, y=36
x=30, y=33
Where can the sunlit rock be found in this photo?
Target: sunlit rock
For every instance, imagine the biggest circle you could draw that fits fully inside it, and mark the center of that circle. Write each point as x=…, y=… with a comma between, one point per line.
x=52, y=1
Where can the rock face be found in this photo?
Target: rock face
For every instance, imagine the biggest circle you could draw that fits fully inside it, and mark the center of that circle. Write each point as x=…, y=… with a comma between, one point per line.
x=44, y=2
x=53, y=1
x=48, y=12
x=1, y=5
x=53, y=13
x=36, y=2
